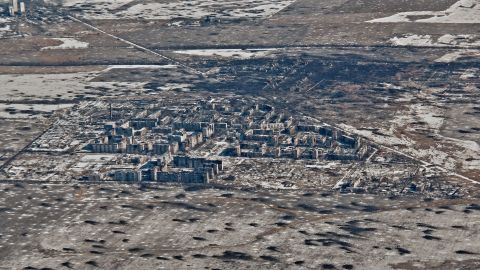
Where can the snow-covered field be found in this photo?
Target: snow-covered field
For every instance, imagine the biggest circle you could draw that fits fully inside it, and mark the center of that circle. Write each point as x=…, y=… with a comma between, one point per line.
x=5, y=27
x=166, y=10
x=139, y=67
x=454, y=56
x=65, y=86
x=463, y=11
x=234, y=53
x=176, y=86
x=43, y=86
x=28, y=110
x=67, y=43
x=450, y=153
x=448, y=40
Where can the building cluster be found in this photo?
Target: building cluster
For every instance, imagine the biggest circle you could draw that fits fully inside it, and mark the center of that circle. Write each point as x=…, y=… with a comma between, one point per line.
x=190, y=141
x=18, y=7
x=164, y=136
x=319, y=142
x=273, y=135
x=179, y=169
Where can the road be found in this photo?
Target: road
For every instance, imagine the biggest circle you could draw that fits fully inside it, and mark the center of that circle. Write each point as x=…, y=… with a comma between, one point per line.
x=8, y=161
x=135, y=45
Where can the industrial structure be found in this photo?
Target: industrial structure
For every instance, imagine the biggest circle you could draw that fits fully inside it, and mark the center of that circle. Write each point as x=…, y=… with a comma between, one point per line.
x=18, y=7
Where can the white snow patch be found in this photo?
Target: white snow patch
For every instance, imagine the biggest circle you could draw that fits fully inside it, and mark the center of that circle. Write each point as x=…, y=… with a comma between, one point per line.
x=68, y=43
x=463, y=11
x=62, y=85
x=436, y=157
x=166, y=10
x=451, y=153
x=133, y=86
x=42, y=108
x=384, y=140
x=45, y=86
x=6, y=28
x=470, y=73
x=140, y=67
x=447, y=40
x=430, y=115
x=454, y=56
x=415, y=40
x=275, y=185
x=329, y=165
x=235, y=53
x=176, y=86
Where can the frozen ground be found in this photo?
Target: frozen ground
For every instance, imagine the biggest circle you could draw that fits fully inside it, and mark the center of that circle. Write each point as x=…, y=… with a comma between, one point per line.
x=43, y=86
x=166, y=10
x=231, y=53
x=5, y=27
x=451, y=153
x=464, y=11
x=64, y=86
x=16, y=134
x=139, y=67
x=282, y=173
x=447, y=40
x=459, y=54
x=463, y=41
x=123, y=227
x=67, y=43
x=29, y=111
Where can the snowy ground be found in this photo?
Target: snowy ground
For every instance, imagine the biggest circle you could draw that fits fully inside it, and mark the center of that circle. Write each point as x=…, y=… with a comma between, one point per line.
x=124, y=227
x=464, y=41
x=234, y=53
x=17, y=87
x=67, y=43
x=463, y=11
x=447, y=40
x=28, y=110
x=5, y=27
x=43, y=86
x=449, y=152
x=140, y=67
x=454, y=56
x=166, y=10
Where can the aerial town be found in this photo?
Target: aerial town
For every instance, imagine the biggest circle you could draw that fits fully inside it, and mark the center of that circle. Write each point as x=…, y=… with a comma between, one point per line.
x=279, y=134
x=156, y=133
x=191, y=141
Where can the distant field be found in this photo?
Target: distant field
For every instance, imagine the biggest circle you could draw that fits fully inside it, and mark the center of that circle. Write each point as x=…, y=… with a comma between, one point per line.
x=166, y=10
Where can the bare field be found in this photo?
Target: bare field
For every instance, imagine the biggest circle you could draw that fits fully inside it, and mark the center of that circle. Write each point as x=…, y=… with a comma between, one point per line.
x=16, y=135
x=118, y=226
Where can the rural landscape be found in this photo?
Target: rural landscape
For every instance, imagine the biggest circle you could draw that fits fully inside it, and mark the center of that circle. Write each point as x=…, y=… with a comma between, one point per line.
x=280, y=134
